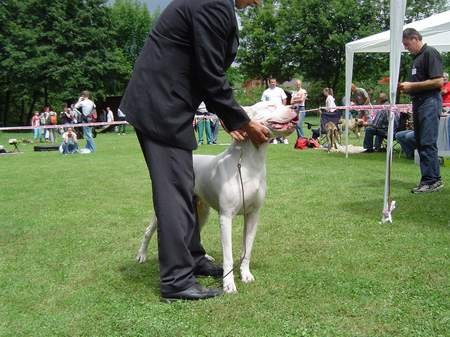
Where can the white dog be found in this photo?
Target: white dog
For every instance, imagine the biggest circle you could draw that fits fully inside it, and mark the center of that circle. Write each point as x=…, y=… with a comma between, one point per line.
x=218, y=182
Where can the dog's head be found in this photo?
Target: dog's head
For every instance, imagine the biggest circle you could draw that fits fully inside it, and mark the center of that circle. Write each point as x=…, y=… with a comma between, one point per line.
x=279, y=119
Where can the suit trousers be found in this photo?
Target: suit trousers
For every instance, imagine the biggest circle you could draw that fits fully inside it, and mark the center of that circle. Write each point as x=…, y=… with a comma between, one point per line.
x=179, y=247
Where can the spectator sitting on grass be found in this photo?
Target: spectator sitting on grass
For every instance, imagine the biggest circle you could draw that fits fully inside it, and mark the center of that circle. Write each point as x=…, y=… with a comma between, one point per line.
x=69, y=144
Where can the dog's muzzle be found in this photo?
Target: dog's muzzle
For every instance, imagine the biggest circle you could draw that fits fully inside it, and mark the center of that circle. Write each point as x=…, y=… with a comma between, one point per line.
x=282, y=126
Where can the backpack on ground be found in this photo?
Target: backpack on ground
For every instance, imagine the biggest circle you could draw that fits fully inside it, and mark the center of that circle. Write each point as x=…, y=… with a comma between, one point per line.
x=301, y=143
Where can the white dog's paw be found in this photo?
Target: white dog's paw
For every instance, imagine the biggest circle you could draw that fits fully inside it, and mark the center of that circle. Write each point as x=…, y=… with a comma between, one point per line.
x=246, y=276
x=141, y=257
x=210, y=258
x=229, y=287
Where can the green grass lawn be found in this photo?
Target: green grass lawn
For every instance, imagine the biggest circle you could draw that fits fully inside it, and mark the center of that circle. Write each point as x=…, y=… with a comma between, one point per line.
x=70, y=227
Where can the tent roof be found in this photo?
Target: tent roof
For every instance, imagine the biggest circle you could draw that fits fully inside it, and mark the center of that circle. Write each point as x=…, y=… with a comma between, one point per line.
x=434, y=29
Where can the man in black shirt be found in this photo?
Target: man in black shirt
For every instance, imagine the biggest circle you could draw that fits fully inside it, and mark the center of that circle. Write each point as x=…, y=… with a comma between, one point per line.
x=424, y=89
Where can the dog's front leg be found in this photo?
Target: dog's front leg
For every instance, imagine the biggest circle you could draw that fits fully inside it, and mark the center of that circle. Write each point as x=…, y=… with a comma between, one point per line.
x=225, y=226
x=250, y=226
x=141, y=256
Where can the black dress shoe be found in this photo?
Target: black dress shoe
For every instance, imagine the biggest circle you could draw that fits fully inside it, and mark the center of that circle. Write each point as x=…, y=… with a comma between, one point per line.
x=193, y=293
x=208, y=269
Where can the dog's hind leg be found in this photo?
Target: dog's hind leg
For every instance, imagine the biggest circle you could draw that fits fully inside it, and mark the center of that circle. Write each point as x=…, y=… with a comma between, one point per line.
x=329, y=140
x=225, y=228
x=339, y=137
x=250, y=227
x=141, y=256
x=202, y=216
x=336, y=138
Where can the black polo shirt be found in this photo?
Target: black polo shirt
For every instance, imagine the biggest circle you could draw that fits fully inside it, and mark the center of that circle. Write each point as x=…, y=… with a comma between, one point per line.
x=427, y=64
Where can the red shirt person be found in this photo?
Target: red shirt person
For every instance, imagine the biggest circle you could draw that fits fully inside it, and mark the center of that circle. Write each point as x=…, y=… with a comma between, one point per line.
x=445, y=90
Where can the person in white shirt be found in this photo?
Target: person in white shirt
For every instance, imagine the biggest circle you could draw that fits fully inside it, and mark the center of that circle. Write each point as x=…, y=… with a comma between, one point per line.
x=330, y=105
x=87, y=108
x=274, y=94
x=109, y=115
x=121, y=118
x=109, y=119
x=277, y=96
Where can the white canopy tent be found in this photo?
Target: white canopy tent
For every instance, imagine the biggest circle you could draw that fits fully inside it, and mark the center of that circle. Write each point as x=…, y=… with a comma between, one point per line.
x=435, y=31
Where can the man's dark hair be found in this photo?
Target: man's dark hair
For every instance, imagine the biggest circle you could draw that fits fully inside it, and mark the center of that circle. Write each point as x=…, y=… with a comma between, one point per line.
x=410, y=33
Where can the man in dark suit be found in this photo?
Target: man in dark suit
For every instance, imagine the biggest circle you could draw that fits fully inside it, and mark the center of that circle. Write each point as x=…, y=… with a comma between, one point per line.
x=182, y=63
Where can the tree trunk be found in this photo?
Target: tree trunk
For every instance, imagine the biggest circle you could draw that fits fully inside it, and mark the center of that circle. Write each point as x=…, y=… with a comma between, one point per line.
x=336, y=79
x=22, y=110
x=46, y=95
x=6, y=108
x=31, y=108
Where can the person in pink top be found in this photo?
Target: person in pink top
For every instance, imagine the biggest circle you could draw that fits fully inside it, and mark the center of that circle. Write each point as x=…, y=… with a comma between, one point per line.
x=36, y=124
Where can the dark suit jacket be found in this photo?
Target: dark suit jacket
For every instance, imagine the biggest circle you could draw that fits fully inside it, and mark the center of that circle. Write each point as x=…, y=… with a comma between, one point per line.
x=182, y=63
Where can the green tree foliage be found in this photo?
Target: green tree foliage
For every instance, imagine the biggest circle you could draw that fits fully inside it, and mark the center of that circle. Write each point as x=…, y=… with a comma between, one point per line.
x=287, y=37
x=259, y=54
x=131, y=22
x=53, y=49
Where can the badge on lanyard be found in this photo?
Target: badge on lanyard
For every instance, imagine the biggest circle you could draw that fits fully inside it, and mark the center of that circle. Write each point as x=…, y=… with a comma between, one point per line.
x=414, y=71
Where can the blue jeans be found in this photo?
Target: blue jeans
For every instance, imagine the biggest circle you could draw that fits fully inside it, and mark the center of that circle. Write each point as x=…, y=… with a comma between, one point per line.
x=69, y=148
x=301, y=118
x=371, y=132
x=426, y=113
x=407, y=141
x=87, y=134
x=37, y=135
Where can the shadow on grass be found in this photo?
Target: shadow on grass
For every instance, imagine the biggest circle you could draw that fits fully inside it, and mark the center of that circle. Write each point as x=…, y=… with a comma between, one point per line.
x=406, y=205
x=142, y=274
x=399, y=185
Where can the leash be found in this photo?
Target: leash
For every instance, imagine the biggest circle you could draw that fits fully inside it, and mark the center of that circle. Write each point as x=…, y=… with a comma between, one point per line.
x=239, y=166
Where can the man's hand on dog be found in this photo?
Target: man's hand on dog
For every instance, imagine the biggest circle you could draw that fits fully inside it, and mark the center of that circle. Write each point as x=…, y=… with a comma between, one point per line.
x=255, y=131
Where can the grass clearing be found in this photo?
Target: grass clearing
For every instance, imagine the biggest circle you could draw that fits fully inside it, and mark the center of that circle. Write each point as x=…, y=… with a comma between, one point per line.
x=70, y=227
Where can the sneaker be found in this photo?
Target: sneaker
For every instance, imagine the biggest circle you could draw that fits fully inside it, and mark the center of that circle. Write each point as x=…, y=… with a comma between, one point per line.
x=428, y=188
x=274, y=141
x=286, y=141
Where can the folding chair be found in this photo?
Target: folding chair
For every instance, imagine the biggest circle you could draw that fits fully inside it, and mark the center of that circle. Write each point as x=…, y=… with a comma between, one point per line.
x=325, y=117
